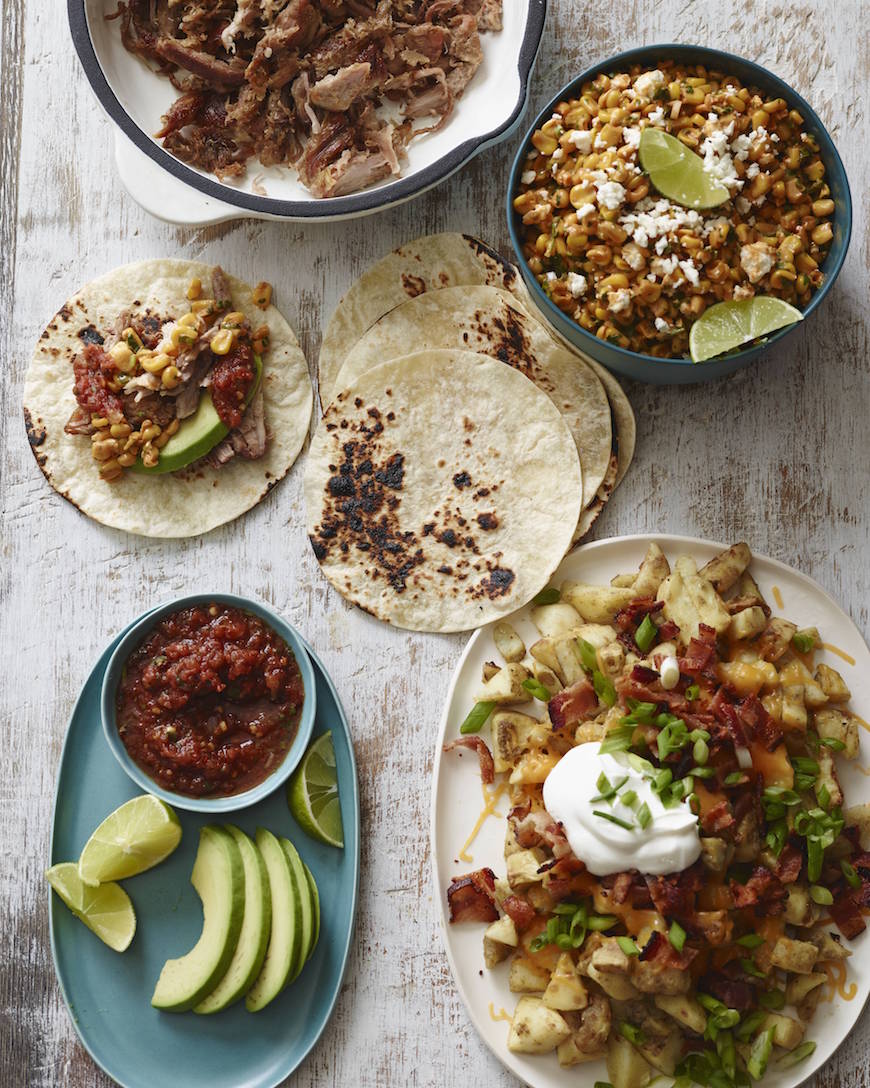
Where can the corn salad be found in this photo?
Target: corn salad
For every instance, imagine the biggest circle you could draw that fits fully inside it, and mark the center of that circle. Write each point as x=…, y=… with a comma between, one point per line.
x=632, y=267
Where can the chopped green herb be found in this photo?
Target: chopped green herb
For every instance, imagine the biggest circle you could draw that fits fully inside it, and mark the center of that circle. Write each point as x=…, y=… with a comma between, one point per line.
x=537, y=689
x=646, y=634
x=550, y=595
x=677, y=936
x=628, y=946
x=476, y=717
x=821, y=895
x=613, y=819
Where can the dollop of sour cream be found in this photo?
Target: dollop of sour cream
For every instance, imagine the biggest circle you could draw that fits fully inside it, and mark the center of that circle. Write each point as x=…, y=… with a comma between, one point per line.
x=668, y=844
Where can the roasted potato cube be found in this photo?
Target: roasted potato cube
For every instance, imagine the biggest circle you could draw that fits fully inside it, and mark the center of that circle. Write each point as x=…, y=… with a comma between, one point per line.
x=555, y=619
x=663, y=1054
x=595, y=1021
x=626, y=1067
x=747, y=588
x=568, y=656
x=506, y=686
x=546, y=677
x=747, y=623
x=796, y=672
x=489, y=670
x=690, y=600
x=569, y=1053
x=527, y=977
x=839, y=725
x=544, y=651
x=715, y=854
x=799, y=908
x=522, y=868
x=829, y=946
x=799, y=957
x=652, y=978
x=725, y=568
x=806, y=1010
x=565, y=991
x=787, y=1032
x=827, y=776
x=653, y=571
x=610, y=958
x=859, y=816
x=597, y=604
x=684, y=1009
x=623, y=581
x=614, y=985
x=512, y=734
x=776, y=639
x=793, y=714
x=508, y=642
x=799, y=986
x=611, y=659
x=535, y=1029
x=832, y=684
x=498, y=940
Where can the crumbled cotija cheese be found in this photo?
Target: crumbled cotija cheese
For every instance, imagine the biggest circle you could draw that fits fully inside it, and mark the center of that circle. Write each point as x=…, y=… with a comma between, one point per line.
x=647, y=83
x=576, y=284
x=582, y=140
x=610, y=194
x=619, y=301
x=527, y=177
x=756, y=259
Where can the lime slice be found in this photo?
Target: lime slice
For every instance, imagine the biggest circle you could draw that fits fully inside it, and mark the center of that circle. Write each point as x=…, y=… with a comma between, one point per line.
x=105, y=910
x=313, y=793
x=729, y=325
x=135, y=837
x=677, y=172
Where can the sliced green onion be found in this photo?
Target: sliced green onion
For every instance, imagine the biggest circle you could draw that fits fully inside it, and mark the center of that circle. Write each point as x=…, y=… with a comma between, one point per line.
x=677, y=936
x=823, y=795
x=835, y=745
x=602, y=1084
x=646, y=634
x=694, y=803
x=628, y=798
x=603, y=783
x=628, y=946
x=821, y=895
x=751, y=968
x=476, y=717
x=604, y=688
x=613, y=819
x=804, y=765
x=759, y=1056
x=631, y=1032
x=799, y=1054
x=814, y=859
x=733, y=779
x=537, y=689
x=751, y=940
x=662, y=779
x=588, y=658
x=644, y=816
x=640, y=712
x=617, y=740
x=701, y=751
x=750, y=1025
x=610, y=791
x=804, y=641
x=702, y=772
x=598, y=922
x=692, y=692
x=550, y=595
x=852, y=878
x=710, y=1003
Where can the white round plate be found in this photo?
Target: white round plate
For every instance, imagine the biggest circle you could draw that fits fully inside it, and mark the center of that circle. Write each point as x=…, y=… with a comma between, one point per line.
x=135, y=97
x=457, y=803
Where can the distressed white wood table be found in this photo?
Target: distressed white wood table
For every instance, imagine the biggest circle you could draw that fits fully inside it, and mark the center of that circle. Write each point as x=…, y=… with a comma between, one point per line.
x=777, y=455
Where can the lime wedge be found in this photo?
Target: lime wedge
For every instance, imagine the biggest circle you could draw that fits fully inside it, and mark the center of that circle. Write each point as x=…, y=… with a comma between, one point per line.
x=313, y=793
x=135, y=837
x=105, y=910
x=729, y=325
x=677, y=172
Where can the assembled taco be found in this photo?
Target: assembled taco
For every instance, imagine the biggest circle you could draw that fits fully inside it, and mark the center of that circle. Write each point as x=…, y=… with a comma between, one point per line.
x=167, y=398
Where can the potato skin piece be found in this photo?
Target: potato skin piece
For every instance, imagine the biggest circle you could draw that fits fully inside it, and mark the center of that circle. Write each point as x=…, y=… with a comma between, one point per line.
x=535, y=1029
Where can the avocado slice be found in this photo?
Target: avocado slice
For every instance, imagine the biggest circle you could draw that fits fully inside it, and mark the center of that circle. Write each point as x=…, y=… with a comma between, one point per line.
x=315, y=904
x=254, y=934
x=306, y=903
x=219, y=879
x=285, y=949
x=197, y=434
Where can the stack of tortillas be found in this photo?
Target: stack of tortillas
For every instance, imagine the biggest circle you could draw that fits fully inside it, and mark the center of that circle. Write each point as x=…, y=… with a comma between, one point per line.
x=462, y=450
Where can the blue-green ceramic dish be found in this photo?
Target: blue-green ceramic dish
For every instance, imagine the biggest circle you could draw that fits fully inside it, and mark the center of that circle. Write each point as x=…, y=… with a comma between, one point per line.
x=108, y=993
x=649, y=368
x=137, y=633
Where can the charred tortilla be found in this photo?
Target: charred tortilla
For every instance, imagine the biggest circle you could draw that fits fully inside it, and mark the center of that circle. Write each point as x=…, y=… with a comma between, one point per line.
x=176, y=504
x=442, y=490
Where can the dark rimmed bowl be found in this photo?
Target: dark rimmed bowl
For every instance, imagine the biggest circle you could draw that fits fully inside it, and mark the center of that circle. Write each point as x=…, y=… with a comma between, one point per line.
x=136, y=635
x=135, y=98
x=649, y=368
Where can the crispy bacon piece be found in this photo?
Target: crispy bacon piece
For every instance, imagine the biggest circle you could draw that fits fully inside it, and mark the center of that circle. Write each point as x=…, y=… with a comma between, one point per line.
x=762, y=889
x=759, y=723
x=668, y=631
x=675, y=894
x=718, y=819
x=789, y=865
x=573, y=705
x=641, y=674
x=622, y=886
x=627, y=619
x=697, y=657
x=471, y=898
x=727, y=717
x=658, y=949
x=519, y=911
x=730, y=991
x=477, y=744
x=847, y=914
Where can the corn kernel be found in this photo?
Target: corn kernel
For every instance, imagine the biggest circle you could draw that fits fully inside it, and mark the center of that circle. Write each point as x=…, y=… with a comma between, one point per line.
x=194, y=289
x=222, y=343
x=170, y=377
x=157, y=363
x=262, y=295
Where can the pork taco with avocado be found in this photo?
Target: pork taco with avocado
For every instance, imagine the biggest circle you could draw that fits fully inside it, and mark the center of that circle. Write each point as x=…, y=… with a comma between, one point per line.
x=167, y=398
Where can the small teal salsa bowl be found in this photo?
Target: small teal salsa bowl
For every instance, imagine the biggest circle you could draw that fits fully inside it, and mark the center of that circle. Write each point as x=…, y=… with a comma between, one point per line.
x=650, y=368
x=115, y=670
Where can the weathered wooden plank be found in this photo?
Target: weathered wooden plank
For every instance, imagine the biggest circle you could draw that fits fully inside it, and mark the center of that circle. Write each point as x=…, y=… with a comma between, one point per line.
x=775, y=455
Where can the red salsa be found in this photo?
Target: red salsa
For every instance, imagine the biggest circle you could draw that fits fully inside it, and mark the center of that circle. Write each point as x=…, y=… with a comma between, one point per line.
x=209, y=703
x=230, y=381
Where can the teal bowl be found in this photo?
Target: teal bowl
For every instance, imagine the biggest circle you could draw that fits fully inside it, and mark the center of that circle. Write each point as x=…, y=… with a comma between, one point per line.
x=114, y=671
x=649, y=368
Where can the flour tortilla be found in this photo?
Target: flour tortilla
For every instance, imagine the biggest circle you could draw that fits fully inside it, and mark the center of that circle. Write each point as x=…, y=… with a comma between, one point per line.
x=623, y=416
x=442, y=490
x=177, y=504
x=494, y=323
x=426, y=264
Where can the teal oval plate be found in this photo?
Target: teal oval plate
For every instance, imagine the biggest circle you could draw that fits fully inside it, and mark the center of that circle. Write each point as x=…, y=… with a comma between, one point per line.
x=109, y=994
